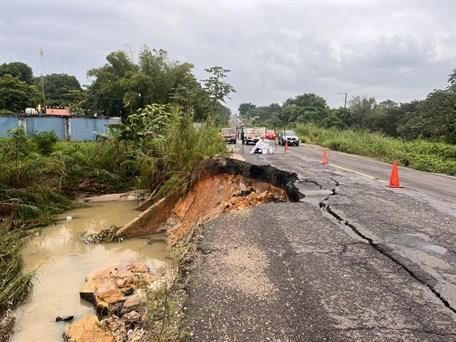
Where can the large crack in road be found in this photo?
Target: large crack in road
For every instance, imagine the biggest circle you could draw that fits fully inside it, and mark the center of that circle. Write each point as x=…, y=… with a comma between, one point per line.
x=315, y=269
x=381, y=248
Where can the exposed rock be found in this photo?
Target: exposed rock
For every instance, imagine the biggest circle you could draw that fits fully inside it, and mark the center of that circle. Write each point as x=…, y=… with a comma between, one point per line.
x=109, y=288
x=87, y=329
x=64, y=318
x=87, y=291
x=136, y=335
x=119, y=294
x=136, y=301
x=116, y=326
x=133, y=318
x=107, y=291
x=6, y=325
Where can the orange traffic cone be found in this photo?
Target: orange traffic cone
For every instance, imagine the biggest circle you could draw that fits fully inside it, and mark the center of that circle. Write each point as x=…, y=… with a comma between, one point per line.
x=324, y=158
x=394, y=179
x=286, y=146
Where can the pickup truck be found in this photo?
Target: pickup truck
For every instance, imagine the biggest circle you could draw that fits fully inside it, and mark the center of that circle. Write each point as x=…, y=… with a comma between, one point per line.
x=253, y=134
x=288, y=136
x=229, y=135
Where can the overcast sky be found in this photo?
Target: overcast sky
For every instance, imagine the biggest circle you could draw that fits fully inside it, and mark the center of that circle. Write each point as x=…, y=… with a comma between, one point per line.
x=275, y=49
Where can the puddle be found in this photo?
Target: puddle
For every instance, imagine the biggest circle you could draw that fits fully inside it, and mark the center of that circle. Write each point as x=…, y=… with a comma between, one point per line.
x=64, y=261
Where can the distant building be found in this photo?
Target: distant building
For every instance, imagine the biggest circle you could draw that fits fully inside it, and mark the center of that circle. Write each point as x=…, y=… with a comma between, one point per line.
x=58, y=111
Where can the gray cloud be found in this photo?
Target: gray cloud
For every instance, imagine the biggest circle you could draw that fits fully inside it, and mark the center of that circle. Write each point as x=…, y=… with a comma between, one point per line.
x=275, y=49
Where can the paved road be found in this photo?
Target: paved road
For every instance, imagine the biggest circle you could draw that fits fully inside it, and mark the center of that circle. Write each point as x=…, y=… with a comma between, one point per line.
x=438, y=185
x=353, y=261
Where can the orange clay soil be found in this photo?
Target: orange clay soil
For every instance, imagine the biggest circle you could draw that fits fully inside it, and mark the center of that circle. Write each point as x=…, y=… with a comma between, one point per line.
x=213, y=195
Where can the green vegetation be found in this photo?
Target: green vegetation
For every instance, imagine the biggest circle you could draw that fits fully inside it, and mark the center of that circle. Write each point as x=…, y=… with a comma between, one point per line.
x=120, y=87
x=60, y=89
x=420, y=134
x=433, y=118
x=418, y=154
x=157, y=148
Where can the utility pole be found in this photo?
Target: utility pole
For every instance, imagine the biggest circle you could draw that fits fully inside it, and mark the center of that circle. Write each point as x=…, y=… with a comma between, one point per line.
x=42, y=79
x=129, y=83
x=345, y=101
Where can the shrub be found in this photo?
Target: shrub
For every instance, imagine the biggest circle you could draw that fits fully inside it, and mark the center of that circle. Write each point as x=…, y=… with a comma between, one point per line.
x=419, y=154
x=45, y=142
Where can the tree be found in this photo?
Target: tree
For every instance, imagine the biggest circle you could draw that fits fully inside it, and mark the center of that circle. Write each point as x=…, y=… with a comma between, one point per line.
x=434, y=119
x=362, y=107
x=307, y=108
x=452, y=80
x=16, y=95
x=19, y=70
x=246, y=108
x=60, y=89
x=215, y=86
x=222, y=115
x=106, y=94
x=191, y=97
x=121, y=87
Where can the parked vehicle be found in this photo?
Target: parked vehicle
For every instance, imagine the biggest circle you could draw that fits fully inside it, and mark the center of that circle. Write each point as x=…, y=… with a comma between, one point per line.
x=229, y=135
x=270, y=134
x=253, y=134
x=288, y=136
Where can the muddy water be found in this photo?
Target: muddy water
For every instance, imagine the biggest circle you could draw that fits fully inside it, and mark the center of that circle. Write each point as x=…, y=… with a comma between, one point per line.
x=63, y=262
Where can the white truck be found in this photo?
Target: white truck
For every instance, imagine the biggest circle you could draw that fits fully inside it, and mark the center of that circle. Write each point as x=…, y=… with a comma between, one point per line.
x=253, y=134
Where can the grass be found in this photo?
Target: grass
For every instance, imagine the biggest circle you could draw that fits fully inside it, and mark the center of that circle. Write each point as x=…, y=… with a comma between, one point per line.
x=13, y=284
x=40, y=176
x=174, y=161
x=417, y=154
x=38, y=181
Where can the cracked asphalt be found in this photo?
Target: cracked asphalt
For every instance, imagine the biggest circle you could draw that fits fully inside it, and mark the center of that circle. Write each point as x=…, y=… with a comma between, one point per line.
x=352, y=261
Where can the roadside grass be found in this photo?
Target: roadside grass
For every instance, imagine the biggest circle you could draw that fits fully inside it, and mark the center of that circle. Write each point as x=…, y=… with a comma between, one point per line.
x=174, y=161
x=417, y=154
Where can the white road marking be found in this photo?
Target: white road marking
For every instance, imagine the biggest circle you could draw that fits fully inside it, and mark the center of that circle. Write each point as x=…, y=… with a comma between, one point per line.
x=359, y=173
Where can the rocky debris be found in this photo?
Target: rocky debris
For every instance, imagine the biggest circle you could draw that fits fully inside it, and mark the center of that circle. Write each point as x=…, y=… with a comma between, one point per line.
x=87, y=329
x=136, y=335
x=116, y=326
x=64, y=318
x=112, y=287
x=132, y=318
x=105, y=235
x=6, y=325
x=135, y=302
x=249, y=199
x=119, y=294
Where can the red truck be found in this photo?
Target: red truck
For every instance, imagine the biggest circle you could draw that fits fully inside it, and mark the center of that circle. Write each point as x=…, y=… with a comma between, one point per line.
x=229, y=135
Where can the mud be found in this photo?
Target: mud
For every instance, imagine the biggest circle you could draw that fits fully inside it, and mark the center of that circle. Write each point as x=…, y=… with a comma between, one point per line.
x=62, y=262
x=225, y=185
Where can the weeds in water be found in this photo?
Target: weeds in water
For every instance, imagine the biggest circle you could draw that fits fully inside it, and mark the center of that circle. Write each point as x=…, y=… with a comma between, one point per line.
x=13, y=284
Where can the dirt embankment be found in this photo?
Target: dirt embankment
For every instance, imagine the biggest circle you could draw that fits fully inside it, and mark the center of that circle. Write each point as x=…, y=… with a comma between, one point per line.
x=227, y=185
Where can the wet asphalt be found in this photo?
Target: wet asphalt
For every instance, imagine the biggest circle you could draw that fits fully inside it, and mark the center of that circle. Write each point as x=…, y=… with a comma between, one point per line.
x=353, y=261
